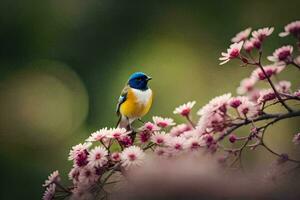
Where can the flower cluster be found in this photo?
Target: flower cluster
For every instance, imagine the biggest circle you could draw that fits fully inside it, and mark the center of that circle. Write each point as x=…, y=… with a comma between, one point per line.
x=116, y=150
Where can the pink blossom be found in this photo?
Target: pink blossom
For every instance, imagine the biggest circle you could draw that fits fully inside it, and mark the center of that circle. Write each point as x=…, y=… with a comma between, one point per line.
x=266, y=95
x=282, y=54
x=179, y=129
x=145, y=136
x=79, y=154
x=297, y=93
x=52, y=178
x=185, y=109
x=163, y=122
x=247, y=108
x=218, y=103
x=87, y=176
x=98, y=135
x=269, y=70
x=241, y=36
x=74, y=174
x=256, y=42
x=50, y=192
x=98, y=157
x=159, y=138
x=291, y=28
x=262, y=33
x=232, y=138
x=126, y=141
x=116, y=157
x=150, y=127
x=283, y=86
x=248, y=45
x=117, y=133
x=232, y=52
x=246, y=85
x=194, y=143
x=296, y=139
x=132, y=156
x=235, y=102
x=176, y=144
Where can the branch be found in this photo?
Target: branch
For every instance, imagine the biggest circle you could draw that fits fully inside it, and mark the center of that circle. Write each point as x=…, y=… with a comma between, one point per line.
x=277, y=117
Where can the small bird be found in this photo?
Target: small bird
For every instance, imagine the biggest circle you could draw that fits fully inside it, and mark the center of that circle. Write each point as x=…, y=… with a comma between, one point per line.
x=135, y=100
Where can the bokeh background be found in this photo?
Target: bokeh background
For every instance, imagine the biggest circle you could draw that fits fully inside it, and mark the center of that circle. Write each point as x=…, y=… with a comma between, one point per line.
x=63, y=64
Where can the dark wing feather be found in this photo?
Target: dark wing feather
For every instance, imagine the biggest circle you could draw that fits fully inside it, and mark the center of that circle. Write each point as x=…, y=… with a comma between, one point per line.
x=122, y=99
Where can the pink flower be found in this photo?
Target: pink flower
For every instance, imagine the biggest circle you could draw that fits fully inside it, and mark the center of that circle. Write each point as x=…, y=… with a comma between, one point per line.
x=98, y=135
x=292, y=28
x=144, y=136
x=87, y=176
x=270, y=70
x=296, y=139
x=98, y=157
x=74, y=174
x=262, y=33
x=185, y=109
x=159, y=138
x=232, y=52
x=179, y=129
x=283, y=86
x=232, y=138
x=150, y=127
x=52, y=178
x=235, y=102
x=266, y=95
x=256, y=42
x=282, y=54
x=50, y=192
x=163, y=122
x=126, y=141
x=241, y=36
x=116, y=157
x=218, y=103
x=117, y=133
x=248, y=45
x=247, y=108
x=246, y=85
x=132, y=156
x=194, y=143
x=297, y=93
x=79, y=154
x=176, y=144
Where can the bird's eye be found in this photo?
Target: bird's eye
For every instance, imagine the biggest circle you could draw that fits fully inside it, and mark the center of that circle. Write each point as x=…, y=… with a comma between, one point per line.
x=138, y=79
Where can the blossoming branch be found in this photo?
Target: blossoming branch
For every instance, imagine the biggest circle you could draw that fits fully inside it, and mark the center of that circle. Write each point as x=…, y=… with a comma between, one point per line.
x=116, y=150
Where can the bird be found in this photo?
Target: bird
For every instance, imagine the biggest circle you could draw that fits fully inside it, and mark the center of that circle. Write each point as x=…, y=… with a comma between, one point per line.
x=135, y=100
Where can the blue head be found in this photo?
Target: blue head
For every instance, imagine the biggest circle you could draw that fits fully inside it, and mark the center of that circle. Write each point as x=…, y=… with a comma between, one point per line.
x=139, y=80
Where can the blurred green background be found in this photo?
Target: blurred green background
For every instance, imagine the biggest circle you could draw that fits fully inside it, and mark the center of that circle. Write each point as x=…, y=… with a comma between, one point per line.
x=63, y=64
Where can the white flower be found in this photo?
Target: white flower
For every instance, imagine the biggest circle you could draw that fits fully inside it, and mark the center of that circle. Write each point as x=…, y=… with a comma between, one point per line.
x=283, y=86
x=247, y=108
x=52, y=178
x=50, y=192
x=270, y=70
x=98, y=135
x=292, y=28
x=179, y=129
x=163, y=122
x=159, y=138
x=232, y=52
x=185, y=109
x=77, y=149
x=98, y=157
x=87, y=176
x=243, y=35
x=117, y=133
x=246, y=85
x=194, y=143
x=217, y=103
x=262, y=33
x=283, y=53
x=176, y=143
x=132, y=156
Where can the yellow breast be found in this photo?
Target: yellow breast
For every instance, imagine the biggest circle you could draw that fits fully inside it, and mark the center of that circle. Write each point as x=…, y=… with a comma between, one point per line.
x=137, y=103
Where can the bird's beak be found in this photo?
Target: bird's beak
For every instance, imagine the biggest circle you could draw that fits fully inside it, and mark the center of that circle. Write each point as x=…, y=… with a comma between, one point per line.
x=149, y=78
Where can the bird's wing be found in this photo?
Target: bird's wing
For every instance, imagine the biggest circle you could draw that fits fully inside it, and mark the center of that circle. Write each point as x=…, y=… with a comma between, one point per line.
x=122, y=99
